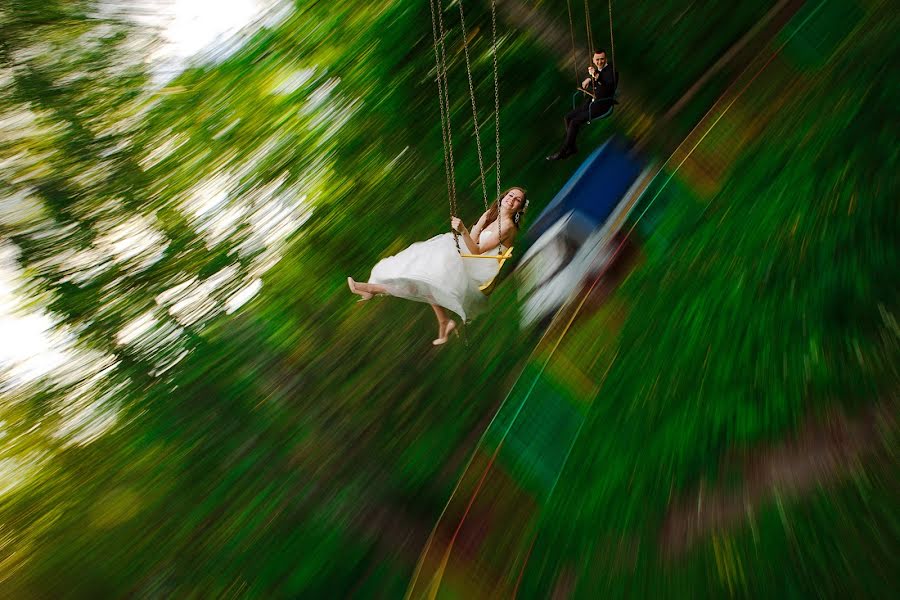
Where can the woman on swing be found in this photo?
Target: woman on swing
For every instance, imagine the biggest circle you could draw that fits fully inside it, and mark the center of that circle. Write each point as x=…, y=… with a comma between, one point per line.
x=433, y=271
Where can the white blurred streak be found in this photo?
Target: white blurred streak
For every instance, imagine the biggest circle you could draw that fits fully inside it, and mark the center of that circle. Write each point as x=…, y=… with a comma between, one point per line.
x=154, y=337
x=84, y=419
x=17, y=122
x=6, y=78
x=21, y=210
x=320, y=95
x=136, y=328
x=207, y=207
x=333, y=117
x=226, y=129
x=164, y=148
x=25, y=154
x=16, y=471
x=193, y=300
x=291, y=81
x=243, y=296
x=136, y=241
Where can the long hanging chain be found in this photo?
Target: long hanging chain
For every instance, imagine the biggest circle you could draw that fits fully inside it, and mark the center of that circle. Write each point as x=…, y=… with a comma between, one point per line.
x=612, y=44
x=443, y=101
x=440, y=84
x=587, y=26
x=443, y=36
x=465, y=35
x=496, y=116
x=572, y=34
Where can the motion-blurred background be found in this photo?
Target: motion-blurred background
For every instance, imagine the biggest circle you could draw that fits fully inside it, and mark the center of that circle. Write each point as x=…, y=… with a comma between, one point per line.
x=193, y=405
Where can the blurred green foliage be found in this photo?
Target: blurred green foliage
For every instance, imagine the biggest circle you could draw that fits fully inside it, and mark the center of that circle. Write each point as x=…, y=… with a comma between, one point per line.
x=770, y=302
x=305, y=445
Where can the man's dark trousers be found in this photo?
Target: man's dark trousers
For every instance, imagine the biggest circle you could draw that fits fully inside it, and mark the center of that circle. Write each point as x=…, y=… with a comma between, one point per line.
x=589, y=109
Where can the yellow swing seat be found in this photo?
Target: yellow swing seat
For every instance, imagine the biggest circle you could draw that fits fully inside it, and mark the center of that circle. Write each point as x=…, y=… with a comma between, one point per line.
x=488, y=286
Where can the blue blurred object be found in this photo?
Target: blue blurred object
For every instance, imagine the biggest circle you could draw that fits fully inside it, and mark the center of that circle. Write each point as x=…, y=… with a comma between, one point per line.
x=594, y=189
x=572, y=238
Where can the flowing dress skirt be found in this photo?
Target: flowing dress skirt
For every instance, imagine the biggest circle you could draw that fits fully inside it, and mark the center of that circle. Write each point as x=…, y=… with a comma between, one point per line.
x=432, y=271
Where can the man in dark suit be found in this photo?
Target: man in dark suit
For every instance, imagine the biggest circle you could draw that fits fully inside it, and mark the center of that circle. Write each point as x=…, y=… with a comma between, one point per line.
x=600, y=86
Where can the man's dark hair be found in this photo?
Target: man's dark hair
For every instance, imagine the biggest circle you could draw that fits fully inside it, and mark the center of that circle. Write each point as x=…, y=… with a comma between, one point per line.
x=599, y=51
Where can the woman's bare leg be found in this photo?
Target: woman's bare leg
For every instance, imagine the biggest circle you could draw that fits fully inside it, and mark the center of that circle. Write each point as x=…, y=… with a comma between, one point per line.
x=372, y=288
x=445, y=324
x=365, y=290
x=442, y=319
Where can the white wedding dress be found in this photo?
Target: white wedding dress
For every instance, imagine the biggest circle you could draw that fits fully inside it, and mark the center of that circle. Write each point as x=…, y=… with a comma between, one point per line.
x=433, y=271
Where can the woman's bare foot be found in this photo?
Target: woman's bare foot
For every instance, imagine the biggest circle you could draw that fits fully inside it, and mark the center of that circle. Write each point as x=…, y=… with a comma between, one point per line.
x=356, y=290
x=447, y=327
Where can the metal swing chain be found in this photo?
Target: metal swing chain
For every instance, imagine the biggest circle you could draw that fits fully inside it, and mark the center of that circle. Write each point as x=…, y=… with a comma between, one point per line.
x=443, y=74
x=462, y=21
x=496, y=116
x=440, y=84
x=612, y=44
x=441, y=39
x=572, y=34
x=589, y=31
x=443, y=100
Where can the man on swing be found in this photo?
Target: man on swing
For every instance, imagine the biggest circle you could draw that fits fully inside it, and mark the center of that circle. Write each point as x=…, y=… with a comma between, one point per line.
x=600, y=85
